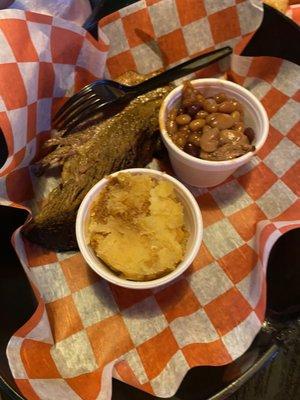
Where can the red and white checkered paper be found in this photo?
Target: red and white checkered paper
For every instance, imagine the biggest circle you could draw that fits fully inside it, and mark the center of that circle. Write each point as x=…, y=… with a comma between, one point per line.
x=85, y=330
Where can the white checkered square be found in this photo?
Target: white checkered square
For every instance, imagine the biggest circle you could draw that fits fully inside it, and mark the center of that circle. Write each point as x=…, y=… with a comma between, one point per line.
x=117, y=37
x=139, y=5
x=42, y=331
x=251, y=285
x=249, y=18
x=231, y=197
x=144, y=320
x=147, y=57
x=240, y=64
x=14, y=356
x=221, y=238
x=286, y=117
x=64, y=80
x=197, y=36
x=209, y=283
x=276, y=200
x=43, y=115
x=66, y=255
x=74, y=356
x=214, y=6
x=254, y=161
x=30, y=75
x=69, y=25
x=51, y=281
x=6, y=53
x=257, y=86
x=198, y=326
x=240, y=337
x=17, y=118
x=164, y=17
x=30, y=152
x=40, y=35
x=173, y=372
x=49, y=389
x=288, y=78
x=95, y=303
x=13, y=13
x=283, y=157
x=90, y=58
x=135, y=363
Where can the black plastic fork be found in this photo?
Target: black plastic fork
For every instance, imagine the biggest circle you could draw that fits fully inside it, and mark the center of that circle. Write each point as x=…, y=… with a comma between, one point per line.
x=100, y=95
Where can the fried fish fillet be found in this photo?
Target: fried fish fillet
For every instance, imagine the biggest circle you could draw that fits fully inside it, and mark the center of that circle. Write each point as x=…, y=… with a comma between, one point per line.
x=128, y=139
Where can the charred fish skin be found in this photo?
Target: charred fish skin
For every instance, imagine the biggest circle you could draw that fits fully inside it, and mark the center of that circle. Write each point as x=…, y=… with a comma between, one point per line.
x=128, y=139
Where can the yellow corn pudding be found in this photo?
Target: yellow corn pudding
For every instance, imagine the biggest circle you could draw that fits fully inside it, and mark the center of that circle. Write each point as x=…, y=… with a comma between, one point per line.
x=136, y=226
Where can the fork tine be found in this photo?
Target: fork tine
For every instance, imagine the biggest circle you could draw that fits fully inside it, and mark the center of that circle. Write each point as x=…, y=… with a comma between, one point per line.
x=72, y=100
x=86, y=114
x=73, y=107
x=80, y=108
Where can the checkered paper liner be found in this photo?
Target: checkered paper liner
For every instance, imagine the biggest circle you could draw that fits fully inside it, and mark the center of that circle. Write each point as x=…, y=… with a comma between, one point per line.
x=85, y=330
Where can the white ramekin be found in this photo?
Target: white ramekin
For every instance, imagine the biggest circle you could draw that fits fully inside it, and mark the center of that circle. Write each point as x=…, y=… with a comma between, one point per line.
x=202, y=173
x=193, y=221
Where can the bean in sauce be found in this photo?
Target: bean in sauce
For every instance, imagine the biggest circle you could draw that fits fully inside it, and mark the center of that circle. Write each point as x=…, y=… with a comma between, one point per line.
x=211, y=128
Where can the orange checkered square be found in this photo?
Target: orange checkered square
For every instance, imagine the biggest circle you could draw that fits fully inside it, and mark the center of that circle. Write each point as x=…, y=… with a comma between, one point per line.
x=78, y=274
x=37, y=255
x=274, y=137
x=46, y=86
x=61, y=53
x=39, y=18
x=26, y=389
x=37, y=360
x=109, y=339
x=31, y=122
x=82, y=78
x=19, y=185
x=151, y=2
x=289, y=213
x=177, y=300
x=213, y=353
x=266, y=67
x=138, y=27
x=87, y=386
x=291, y=178
x=258, y=181
x=294, y=134
x=12, y=78
x=190, y=11
x=202, y=259
x=217, y=311
x=125, y=373
x=225, y=25
x=245, y=220
x=211, y=213
x=171, y=53
x=17, y=158
x=14, y=29
x=121, y=63
x=239, y=263
x=109, y=18
x=156, y=352
x=128, y=297
x=64, y=318
x=273, y=101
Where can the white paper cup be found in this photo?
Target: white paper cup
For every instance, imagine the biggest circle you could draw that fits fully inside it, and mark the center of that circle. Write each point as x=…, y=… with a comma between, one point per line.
x=193, y=222
x=203, y=173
